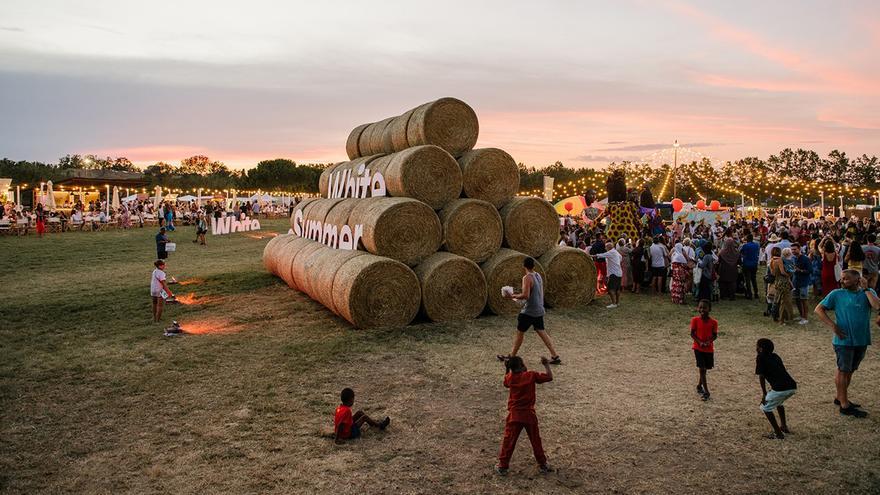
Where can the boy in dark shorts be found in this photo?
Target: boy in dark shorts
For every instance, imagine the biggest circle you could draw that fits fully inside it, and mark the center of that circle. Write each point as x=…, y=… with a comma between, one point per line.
x=347, y=426
x=704, y=331
x=769, y=368
x=521, y=411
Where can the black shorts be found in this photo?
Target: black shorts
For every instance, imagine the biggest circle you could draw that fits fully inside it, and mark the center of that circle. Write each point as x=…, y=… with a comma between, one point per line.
x=613, y=282
x=705, y=360
x=658, y=271
x=524, y=321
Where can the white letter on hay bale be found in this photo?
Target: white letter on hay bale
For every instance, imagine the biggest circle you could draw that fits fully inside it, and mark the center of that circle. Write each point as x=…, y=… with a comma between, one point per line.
x=571, y=277
x=531, y=225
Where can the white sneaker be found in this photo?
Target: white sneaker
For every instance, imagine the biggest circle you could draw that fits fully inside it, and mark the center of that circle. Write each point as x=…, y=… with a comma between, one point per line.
x=611, y=306
x=803, y=321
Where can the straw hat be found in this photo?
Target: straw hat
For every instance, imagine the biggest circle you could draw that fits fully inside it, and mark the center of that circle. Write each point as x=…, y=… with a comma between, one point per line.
x=774, y=238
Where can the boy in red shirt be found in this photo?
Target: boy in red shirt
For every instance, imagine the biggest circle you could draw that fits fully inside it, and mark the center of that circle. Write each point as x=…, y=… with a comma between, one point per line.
x=521, y=411
x=348, y=426
x=704, y=331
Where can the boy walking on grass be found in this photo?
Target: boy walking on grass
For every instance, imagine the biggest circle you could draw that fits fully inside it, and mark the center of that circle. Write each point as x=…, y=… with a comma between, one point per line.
x=348, y=426
x=704, y=331
x=521, y=411
x=769, y=368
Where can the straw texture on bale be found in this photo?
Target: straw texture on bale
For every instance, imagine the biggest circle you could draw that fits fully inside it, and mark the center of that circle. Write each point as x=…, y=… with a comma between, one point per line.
x=269, y=251
x=505, y=268
x=394, y=137
x=326, y=263
x=531, y=225
x=489, y=174
x=351, y=145
x=372, y=291
x=471, y=228
x=402, y=229
x=571, y=277
x=453, y=287
x=425, y=173
x=301, y=278
x=448, y=123
x=283, y=255
x=341, y=211
x=376, y=137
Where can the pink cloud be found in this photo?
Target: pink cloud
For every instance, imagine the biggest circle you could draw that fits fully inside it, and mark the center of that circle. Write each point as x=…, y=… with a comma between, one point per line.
x=816, y=74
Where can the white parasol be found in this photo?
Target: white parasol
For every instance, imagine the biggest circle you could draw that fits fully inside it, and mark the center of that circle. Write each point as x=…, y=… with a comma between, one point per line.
x=50, y=197
x=157, y=200
x=115, y=197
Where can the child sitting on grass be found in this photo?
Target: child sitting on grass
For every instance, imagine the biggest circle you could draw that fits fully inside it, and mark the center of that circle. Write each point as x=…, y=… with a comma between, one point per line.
x=704, y=331
x=769, y=368
x=521, y=411
x=348, y=426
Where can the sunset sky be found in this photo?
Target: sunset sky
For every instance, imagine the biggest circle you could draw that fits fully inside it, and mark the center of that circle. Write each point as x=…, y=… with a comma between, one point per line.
x=581, y=82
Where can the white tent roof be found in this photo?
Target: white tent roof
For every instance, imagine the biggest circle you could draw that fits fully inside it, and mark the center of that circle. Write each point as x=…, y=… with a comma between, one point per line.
x=186, y=198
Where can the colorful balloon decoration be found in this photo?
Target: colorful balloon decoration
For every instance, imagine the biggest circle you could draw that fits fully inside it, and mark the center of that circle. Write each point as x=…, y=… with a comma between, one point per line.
x=568, y=206
x=677, y=205
x=573, y=205
x=715, y=205
x=701, y=205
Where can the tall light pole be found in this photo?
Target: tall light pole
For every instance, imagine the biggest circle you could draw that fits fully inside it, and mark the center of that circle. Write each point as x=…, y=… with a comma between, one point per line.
x=674, y=167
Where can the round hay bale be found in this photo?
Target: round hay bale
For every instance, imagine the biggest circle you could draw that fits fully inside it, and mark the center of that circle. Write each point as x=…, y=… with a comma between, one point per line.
x=402, y=229
x=299, y=207
x=471, y=228
x=372, y=291
x=505, y=268
x=285, y=257
x=571, y=277
x=377, y=143
x=273, y=250
x=325, y=265
x=425, y=173
x=531, y=225
x=351, y=145
x=489, y=174
x=298, y=273
x=453, y=287
x=364, y=140
x=394, y=137
x=338, y=215
x=448, y=123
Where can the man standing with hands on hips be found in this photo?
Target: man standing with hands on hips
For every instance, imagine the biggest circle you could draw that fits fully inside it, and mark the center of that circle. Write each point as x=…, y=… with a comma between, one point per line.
x=852, y=332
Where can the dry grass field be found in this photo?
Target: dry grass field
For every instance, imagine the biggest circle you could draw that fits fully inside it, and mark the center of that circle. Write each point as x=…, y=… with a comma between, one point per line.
x=93, y=399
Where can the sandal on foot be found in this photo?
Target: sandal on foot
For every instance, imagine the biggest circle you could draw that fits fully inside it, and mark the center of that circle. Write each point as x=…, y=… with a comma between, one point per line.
x=853, y=404
x=555, y=360
x=385, y=422
x=774, y=436
x=502, y=357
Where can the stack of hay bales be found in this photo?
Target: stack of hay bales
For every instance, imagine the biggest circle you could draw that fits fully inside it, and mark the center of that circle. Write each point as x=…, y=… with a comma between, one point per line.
x=440, y=239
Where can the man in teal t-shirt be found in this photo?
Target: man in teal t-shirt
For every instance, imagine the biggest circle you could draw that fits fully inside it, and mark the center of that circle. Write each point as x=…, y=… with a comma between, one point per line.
x=852, y=332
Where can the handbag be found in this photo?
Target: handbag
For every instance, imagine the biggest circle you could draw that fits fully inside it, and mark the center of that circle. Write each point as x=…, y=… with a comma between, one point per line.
x=170, y=246
x=698, y=273
x=838, y=271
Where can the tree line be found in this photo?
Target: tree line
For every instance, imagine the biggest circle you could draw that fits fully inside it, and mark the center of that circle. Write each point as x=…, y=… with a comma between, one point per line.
x=191, y=173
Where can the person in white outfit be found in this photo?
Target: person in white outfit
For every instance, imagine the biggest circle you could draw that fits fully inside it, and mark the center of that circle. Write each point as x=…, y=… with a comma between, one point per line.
x=612, y=259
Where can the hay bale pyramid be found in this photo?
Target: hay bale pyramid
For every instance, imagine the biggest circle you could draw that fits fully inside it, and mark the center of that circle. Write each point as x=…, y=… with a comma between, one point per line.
x=418, y=222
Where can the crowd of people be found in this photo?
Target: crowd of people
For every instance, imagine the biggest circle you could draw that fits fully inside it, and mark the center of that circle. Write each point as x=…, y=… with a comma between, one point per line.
x=690, y=261
x=95, y=215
